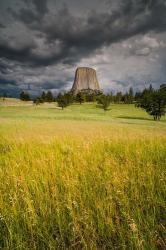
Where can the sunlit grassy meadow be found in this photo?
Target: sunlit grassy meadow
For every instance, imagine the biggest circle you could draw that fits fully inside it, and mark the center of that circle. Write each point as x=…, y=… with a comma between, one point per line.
x=81, y=178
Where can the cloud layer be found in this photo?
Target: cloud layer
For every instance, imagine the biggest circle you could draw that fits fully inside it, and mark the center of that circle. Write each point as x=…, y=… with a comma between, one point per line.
x=42, y=42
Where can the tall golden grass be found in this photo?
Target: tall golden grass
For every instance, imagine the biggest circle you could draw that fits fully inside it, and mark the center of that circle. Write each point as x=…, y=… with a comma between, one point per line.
x=91, y=186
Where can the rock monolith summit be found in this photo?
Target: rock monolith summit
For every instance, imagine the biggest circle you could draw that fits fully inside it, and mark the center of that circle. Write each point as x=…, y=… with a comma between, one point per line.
x=85, y=80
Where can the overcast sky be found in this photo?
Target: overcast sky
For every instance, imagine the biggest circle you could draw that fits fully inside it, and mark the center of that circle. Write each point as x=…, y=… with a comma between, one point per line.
x=42, y=42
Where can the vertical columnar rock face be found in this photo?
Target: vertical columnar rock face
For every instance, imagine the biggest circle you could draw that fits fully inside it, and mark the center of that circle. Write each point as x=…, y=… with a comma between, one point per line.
x=85, y=79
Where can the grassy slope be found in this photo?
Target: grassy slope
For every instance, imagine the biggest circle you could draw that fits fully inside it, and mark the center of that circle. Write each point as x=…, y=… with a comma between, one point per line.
x=87, y=111
x=80, y=178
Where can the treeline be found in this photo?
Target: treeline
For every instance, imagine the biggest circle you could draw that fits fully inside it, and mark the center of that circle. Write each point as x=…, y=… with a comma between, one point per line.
x=153, y=101
x=119, y=97
x=5, y=95
x=45, y=97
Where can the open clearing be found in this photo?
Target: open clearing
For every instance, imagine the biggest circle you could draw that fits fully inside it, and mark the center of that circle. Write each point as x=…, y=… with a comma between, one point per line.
x=81, y=178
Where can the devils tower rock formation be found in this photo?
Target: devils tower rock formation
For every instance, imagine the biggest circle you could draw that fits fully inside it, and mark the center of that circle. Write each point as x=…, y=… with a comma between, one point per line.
x=85, y=80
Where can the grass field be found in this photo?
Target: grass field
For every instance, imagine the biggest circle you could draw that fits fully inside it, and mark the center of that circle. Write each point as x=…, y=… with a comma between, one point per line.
x=81, y=178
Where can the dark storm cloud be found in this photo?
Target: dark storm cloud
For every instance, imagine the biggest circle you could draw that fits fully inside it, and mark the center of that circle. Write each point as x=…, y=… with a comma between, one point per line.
x=32, y=13
x=81, y=36
x=7, y=82
x=15, y=53
x=53, y=85
x=27, y=16
x=40, y=6
x=2, y=26
x=40, y=36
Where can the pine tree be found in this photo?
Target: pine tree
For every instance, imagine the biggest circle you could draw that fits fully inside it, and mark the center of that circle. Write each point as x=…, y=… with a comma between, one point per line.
x=62, y=101
x=104, y=101
x=24, y=96
x=154, y=102
x=131, y=95
x=118, y=97
x=49, y=97
x=43, y=96
x=80, y=98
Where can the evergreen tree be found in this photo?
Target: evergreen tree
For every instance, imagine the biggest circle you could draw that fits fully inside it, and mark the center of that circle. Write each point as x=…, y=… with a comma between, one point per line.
x=49, y=97
x=69, y=98
x=137, y=96
x=154, y=102
x=131, y=95
x=90, y=97
x=150, y=88
x=118, y=97
x=43, y=96
x=104, y=101
x=24, y=96
x=80, y=98
x=126, y=98
x=111, y=96
x=62, y=101
x=38, y=100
